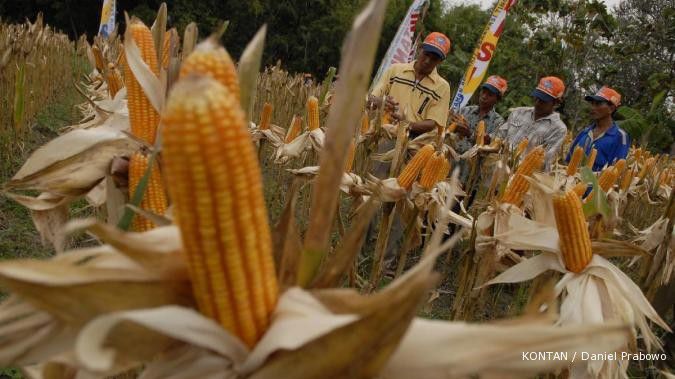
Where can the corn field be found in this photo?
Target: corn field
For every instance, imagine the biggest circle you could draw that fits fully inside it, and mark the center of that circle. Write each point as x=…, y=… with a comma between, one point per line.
x=244, y=227
x=36, y=65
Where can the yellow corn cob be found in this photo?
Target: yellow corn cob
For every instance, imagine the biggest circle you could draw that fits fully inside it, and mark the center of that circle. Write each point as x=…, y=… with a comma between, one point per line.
x=646, y=168
x=620, y=165
x=265, y=116
x=114, y=80
x=312, y=113
x=480, y=133
x=365, y=123
x=591, y=158
x=575, y=241
x=627, y=180
x=519, y=185
x=386, y=118
x=608, y=178
x=580, y=189
x=436, y=169
x=213, y=60
x=216, y=187
x=350, y=156
x=143, y=118
x=575, y=160
x=414, y=166
x=522, y=145
x=98, y=58
x=169, y=37
x=294, y=130
x=452, y=127
x=154, y=198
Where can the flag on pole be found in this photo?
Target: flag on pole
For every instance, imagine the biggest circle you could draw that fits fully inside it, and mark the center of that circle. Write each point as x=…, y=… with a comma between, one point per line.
x=483, y=54
x=402, y=47
x=107, y=23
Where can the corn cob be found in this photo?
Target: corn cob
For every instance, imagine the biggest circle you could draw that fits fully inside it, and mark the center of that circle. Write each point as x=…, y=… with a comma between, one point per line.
x=114, y=80
x=170, y=40
x=480, y=133
x=294, y=130
x=219, y=206
x=646, y=168
x=608, y=178
x=627, y=180
x=312, y=113
x=213, y=60
x=575, y=161
x=413, y=168
x=496, y=142
x=452, y=127
x=575, y=241
x=591, y=158
x=386, y=118
x=580, y=189
x=365, y=123
x=98, y=58
x=265, y=116
x=154, y=198
x=143, y=118
x=620, y=165
x=522, y=145
x=436, y=169
x=350, y=156
x=519, y=185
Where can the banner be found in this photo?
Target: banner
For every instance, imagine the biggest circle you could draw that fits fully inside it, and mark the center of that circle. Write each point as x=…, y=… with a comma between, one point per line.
x=107, y=23
x=483, y=54
x=402, y=47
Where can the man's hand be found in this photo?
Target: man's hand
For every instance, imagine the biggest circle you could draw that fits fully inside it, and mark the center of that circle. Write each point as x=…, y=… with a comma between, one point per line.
x=390, y=104
x=422, y=127
x=463, y=130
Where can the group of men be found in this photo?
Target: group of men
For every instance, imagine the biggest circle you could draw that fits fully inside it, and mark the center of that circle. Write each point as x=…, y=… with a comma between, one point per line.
x=417, y=93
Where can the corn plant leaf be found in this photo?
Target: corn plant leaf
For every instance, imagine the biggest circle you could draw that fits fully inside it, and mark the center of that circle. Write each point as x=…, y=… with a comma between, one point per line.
x=75, y=294
x=73, y=163
x=286, y=239
x=248, y=69
x=149, y=82
x=19, y=96
x=189, y=39
x=337, y=264
x=158, y=30
x=355, y=68
x=326, y=84
x=598, y=204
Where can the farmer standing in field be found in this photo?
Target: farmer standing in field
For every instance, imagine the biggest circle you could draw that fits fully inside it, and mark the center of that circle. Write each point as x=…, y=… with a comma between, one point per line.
x=415, y=91
x=491, y=92
x=610, y=141
x=540, y=124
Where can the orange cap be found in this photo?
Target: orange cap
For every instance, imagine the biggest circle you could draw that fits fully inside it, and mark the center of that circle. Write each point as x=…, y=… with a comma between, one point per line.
x=549, y=88
x=496, y=84
x=437, y=43
x=606, y=94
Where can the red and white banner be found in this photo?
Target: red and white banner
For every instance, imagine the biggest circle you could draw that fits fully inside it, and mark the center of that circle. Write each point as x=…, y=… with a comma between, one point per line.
x=483, y=54
x=402, y=47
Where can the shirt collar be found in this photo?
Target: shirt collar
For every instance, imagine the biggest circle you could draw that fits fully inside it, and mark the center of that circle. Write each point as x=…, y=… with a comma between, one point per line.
x=434, y=77
x=612, y=131
x=553, y=117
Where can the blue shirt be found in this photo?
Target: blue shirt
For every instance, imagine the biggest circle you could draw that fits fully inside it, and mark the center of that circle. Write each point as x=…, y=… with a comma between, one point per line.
x=612, y=145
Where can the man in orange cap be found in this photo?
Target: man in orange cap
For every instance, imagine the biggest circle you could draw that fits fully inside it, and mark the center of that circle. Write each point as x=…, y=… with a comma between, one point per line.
x=541, y=125
x=610, y=141
x=491, y=92
x=414, y=91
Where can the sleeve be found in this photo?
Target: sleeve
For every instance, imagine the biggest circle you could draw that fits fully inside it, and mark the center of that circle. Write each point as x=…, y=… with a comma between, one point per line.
x=382, y=86
x=623, y=146
x=439, y=110
x=553, y=143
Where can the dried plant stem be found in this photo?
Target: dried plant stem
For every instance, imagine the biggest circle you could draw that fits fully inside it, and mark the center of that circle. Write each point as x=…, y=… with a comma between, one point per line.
x=381, y=246
x=407, y=242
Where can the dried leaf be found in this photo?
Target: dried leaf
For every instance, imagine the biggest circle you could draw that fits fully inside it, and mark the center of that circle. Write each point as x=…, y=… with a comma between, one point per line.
x=248, y=68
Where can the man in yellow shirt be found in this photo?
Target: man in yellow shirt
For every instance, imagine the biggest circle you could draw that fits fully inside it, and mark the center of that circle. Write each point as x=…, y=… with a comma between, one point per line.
x=414, y=91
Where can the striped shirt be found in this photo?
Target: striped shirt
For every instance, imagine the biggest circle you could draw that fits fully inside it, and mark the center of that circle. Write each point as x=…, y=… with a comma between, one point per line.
x=427, y=99
x=549, y=132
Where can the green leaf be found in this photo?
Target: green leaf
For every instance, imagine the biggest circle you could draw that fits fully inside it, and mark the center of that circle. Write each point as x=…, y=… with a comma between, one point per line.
x=598, y=204
x=326, y=84
x=657, y=101
x=137, y=197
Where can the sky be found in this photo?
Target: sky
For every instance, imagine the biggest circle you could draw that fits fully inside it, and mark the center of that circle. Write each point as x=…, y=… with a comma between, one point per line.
x=488, y=3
